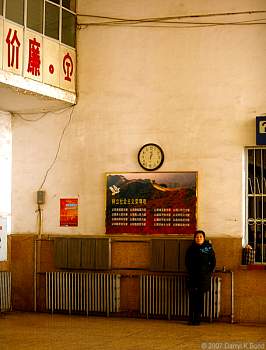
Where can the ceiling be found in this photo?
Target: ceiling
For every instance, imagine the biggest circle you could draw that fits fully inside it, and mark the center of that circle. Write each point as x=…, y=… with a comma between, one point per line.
x=13, y=99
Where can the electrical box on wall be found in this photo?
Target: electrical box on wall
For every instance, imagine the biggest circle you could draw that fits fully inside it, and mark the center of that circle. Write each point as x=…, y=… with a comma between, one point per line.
x=40, y=197
x=3, y=238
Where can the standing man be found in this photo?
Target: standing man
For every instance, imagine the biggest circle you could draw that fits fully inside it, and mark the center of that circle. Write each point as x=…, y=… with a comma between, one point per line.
x=200, y=263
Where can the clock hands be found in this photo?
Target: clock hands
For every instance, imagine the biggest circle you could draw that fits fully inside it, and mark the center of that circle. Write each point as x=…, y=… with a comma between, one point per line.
x=150, y=156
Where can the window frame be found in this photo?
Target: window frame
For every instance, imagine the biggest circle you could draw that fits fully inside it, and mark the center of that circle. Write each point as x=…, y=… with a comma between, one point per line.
x=61, y=8
x=2, y=9
x=26, y=18
x=24, y=2
x=59, y=23
x=253, y=194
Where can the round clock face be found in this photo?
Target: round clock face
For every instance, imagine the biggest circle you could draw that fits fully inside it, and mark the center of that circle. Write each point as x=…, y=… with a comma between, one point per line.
x=150, y=156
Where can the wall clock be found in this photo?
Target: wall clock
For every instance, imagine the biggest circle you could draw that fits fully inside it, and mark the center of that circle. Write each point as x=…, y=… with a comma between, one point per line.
x=150, y=156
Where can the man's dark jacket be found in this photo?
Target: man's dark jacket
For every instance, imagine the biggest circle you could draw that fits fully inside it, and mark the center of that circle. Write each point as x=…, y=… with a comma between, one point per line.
x=200, y=263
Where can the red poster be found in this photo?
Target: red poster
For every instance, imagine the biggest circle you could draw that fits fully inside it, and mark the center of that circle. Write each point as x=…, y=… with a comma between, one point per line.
x=69, y=212
x=151, y=203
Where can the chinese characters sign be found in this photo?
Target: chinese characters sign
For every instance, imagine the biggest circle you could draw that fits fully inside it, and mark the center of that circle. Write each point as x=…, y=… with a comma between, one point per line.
x=150, y=203
x=31, y=55
x=69, y=212
x=12, y=48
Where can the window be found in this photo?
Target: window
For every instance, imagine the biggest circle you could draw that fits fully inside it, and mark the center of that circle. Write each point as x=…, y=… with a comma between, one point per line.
x=1, y=7
x=69, y=4
x=52, y=13
x=35, y=15
x=256, y=201
x=15, y=10
x=53, y=18
x=68, y=28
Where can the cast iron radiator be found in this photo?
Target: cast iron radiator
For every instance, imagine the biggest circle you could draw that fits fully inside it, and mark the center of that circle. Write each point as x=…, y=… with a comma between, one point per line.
x=167, y=296
x=5, y=291
x=82, y=292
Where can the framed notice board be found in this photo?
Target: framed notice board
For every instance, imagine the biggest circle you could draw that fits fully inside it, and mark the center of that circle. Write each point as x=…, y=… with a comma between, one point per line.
x=151, y=203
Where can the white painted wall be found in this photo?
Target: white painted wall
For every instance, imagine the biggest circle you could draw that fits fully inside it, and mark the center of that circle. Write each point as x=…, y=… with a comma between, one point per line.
x=194, y=91
x=5, y=171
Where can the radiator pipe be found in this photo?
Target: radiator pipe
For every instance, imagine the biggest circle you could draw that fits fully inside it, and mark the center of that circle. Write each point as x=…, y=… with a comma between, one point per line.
x=224, y=270
x=232, y=296
x=35, y=275
x=39, y=234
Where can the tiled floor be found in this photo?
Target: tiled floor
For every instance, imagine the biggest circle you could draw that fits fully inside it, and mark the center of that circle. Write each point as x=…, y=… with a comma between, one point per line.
x=44, y=331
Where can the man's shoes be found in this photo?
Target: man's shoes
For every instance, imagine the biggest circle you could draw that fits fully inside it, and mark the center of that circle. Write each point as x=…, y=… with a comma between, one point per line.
x=196, y=323
x=194, y=319
x=193, y=322
x=191, y=319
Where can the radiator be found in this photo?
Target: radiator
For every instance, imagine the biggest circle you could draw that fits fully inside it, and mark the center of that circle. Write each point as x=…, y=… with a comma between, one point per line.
x=82, y=292
x=167, y=296
x=5, y=291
